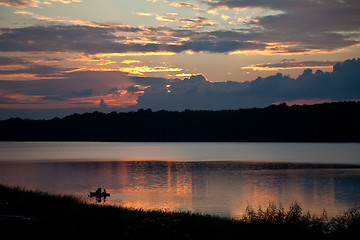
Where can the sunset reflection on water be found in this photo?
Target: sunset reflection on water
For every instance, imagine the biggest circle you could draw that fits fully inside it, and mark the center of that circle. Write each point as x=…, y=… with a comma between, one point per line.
x=221, y=188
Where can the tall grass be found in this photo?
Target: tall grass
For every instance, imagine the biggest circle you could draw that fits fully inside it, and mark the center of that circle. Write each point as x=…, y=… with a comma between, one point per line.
x=278, y=215
x=64, y=216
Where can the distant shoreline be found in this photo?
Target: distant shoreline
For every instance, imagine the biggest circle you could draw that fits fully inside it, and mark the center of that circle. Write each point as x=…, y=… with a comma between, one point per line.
x=336, y=122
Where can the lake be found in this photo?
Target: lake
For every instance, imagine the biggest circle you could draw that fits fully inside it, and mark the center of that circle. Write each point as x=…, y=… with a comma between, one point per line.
x=214, y=178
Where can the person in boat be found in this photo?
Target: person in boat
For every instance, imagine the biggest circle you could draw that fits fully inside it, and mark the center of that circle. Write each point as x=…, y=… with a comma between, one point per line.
x=98, y=191
x=104, y=192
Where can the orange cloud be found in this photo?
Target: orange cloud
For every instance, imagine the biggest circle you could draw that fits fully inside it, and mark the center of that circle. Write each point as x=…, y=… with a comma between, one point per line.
x=134, y=54
x=144, y=14
x=21, y=4
x=282, y=48
x=120, y=98
x=130, y=61
x=18, y=98
x=34, y=3
x=184, y=4
x=60, y=19
x=139, y=70
x=69, y=90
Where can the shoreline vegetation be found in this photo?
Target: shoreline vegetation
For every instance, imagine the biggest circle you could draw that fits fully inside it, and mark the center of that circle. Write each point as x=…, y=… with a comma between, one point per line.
x=327, y=122
x=27, y=213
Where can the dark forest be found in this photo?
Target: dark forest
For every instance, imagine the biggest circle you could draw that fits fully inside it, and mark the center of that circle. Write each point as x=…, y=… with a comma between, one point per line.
x=328, y=122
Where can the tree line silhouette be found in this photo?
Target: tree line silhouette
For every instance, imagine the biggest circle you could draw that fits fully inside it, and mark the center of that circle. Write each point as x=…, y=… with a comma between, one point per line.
x=328, y=122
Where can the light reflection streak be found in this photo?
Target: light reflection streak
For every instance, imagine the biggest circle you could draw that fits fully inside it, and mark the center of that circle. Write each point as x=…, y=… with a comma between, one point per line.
x=222, y=188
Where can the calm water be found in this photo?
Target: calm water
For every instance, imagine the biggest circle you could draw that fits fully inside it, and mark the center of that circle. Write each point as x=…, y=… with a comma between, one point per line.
x=215, y=178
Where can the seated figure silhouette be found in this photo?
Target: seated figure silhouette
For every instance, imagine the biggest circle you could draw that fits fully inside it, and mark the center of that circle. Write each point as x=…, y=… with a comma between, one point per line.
x=99, y=195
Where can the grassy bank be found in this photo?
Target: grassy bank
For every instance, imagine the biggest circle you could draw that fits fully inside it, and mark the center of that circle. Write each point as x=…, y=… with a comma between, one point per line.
x=25, y=213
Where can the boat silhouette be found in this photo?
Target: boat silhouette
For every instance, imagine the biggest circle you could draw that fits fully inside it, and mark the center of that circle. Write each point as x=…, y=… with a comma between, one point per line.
x=99, y=195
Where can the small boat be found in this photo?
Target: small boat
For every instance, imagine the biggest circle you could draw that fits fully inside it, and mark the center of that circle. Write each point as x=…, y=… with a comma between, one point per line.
x=99, y=195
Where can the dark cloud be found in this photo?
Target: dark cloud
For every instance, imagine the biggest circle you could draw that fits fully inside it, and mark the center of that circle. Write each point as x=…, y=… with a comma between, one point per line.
x=290, y=64
x=102, y=104
x=321, y=25
x=198, y=20
x=297, y=27
x=184, y=4
x=92, y=40
x=238, y=35
x=6, y=61
x=37, y=70
x=150, y=81
x=29, y=67
x=70, y=85
x=133, y=89
x=197, y=93
x=59, y=39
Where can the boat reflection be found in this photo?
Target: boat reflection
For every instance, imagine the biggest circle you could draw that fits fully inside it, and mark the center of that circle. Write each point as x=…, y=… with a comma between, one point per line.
x=222, y=188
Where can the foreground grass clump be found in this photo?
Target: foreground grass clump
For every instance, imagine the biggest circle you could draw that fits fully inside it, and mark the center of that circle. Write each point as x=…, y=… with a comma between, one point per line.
x=26, y=214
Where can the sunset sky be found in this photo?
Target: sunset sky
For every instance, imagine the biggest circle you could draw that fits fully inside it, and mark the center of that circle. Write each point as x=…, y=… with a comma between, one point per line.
x=64, y=56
